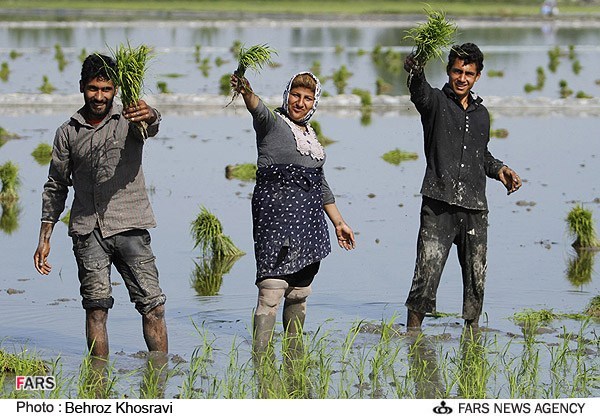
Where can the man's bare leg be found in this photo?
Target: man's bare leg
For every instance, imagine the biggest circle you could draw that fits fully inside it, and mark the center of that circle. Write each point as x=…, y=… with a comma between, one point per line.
x=155, y=330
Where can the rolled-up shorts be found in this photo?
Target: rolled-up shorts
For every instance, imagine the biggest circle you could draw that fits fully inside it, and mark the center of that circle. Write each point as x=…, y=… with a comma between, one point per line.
x=131, y=254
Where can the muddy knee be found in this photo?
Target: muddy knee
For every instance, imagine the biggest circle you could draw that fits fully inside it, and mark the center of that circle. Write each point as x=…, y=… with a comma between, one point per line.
x=297, y=294
x=270, y=292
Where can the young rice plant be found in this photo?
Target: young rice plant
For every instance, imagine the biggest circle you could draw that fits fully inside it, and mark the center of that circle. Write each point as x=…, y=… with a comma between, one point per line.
x=431, y=37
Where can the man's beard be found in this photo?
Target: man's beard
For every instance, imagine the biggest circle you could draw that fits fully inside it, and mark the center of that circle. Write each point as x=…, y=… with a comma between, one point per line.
x=98, y=112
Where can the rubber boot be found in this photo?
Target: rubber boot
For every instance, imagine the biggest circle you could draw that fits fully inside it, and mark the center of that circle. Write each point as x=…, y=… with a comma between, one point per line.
x=263, y=357
x=262, y=334
x=294, y=315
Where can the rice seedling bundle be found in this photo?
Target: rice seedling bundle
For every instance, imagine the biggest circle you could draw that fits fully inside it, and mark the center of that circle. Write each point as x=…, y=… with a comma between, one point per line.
x=42, y=153
x=255, y=58
x=431, y=37
x=207, y=232
x=396, y=156
x=581, y=226
x=9, y=177
x=129, y=73
x=244, y=172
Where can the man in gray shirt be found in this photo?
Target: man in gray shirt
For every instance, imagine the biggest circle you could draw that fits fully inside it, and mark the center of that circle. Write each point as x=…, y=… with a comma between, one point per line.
x=98, y=152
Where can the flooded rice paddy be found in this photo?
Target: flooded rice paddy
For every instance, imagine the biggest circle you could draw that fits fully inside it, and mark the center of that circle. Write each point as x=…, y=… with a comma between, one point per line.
x=552, y=143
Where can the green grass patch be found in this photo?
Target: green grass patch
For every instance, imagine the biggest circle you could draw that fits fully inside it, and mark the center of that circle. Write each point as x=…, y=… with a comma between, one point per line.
x=22, y=363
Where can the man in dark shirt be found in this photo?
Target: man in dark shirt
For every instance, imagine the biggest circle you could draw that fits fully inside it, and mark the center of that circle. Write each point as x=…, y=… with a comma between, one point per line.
x=454, y=210
x=98, y=152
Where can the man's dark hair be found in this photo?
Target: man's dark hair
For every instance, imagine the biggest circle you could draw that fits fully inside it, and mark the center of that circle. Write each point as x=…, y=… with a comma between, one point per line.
x=469, y=53
x=94, y=66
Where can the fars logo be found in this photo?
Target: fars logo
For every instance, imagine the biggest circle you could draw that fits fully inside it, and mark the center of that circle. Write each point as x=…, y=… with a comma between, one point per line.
x=35, y=382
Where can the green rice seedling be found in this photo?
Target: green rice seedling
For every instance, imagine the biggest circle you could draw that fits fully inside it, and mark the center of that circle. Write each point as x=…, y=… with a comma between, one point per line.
x=255, y=58
x=340, y=78
x=204, y=280
x=432, y=37
x=565, y=90
x=580, y=225
x=155, y=376
x=540, y=77
x=339, y=49
x=529, y=88
x=42, y=154
x=14, y=54
x=323, y=140
x=583, y=95
x=236, y=47
x=543, y=316
x=581, y=267
x=577, y=67
x=499, y=133
x=201, y=359
x=219, y=61
x=365, y=116
x=162, y=87
x=382, y=86
x=495, y=73
x=207, y=232
x=244, y=172
x=96, y=378
x=23, y=363
x=4, y=71
x=554, y=55
x=9, y=220
x=365, y=97
x=377, y=54
x=224, y=84
x=316, y=69
x=59, y=56
x=46, y=87
x=82, y=55
x=9, y=177
x=197, y=55
x=130, y=71
x=205, y=66
x=593, y=308
x=207, y=276
x=572, y=53
x=393, y=61
x=397, y=156
x=6, y=135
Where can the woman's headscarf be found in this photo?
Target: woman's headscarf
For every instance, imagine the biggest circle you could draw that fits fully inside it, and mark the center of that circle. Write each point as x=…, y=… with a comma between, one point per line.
x=286, y=94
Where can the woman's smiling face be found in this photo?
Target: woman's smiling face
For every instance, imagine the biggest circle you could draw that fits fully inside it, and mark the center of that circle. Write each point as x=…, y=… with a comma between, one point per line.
x=300, y=101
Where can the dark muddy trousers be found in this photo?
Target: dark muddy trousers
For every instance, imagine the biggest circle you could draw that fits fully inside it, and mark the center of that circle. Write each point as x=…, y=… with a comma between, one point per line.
x=442, y=225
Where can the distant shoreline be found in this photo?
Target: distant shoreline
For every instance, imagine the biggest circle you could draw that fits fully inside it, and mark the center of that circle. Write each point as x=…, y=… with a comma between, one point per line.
x=103, y=16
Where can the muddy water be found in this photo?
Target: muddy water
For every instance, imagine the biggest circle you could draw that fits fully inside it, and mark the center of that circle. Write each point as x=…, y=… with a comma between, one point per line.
x=556, y=153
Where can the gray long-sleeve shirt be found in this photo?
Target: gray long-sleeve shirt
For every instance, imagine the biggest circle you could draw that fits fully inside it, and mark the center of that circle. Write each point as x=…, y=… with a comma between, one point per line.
x=276, y=145
x=103, y=164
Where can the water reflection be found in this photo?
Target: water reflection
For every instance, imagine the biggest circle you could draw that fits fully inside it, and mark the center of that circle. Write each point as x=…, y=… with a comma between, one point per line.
x=9, y=220
x=423, y=366
x=207, y=276
x=581, y=266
